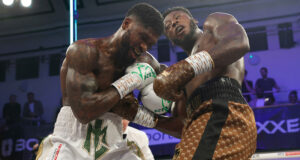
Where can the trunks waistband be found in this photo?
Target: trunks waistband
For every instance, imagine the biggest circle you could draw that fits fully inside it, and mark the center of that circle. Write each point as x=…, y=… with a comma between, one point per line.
x=224, y=88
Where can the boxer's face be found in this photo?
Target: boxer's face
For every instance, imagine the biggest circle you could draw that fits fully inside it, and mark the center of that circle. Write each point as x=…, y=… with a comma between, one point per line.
x=141, y=40
x=138, y=39
x=179, y=27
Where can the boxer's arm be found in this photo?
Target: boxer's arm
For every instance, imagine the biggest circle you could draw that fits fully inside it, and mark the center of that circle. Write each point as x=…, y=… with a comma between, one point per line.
x=81, y=85
x=231, y=44
x=171, y=81
x=232, y=40
x=128, y=109
x=170, y=125
x=173, y=125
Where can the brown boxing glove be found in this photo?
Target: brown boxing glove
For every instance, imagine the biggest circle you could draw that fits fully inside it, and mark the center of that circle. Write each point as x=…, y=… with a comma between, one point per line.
x=127, y=107
x=171, y=81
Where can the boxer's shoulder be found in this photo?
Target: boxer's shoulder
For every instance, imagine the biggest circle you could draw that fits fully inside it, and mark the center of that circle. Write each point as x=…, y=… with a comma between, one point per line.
x=83, y=45
x=218, y=18
x=82, y=54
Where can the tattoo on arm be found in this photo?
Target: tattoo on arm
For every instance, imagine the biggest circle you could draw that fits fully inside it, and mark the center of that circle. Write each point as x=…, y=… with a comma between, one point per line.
x=88, y=87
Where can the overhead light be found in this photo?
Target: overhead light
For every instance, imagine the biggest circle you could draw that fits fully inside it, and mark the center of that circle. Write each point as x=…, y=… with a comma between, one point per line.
x=26, y=3
x=8, y=2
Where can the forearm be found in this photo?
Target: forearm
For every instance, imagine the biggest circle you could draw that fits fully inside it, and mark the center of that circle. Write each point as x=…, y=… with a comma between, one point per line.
x=89, y=106
x=232, y=44
x=228, y=51
x=170, y=125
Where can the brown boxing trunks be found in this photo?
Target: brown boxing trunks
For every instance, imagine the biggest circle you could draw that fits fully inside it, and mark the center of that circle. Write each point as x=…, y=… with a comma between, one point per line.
x=220, y=124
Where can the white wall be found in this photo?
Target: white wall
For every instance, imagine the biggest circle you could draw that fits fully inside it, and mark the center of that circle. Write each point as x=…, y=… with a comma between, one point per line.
x=283, y=65
x=46, y=88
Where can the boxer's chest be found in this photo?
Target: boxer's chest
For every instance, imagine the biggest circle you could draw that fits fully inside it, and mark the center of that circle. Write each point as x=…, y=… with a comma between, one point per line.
x=205, y=42
x=106, y=74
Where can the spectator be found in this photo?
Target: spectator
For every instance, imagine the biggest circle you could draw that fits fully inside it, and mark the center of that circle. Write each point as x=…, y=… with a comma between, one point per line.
x=32, y=108
x=247, y=88
x=139, y=138
x=293, y=97
x=12, y=111
x=266, y=85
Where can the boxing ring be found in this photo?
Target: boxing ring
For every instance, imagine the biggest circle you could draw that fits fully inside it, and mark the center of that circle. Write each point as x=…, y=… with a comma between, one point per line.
x=288, y=155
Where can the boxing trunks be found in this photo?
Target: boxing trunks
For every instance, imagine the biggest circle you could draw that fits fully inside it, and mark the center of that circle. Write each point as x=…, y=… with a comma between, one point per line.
x=100, y=139
x=220, y=124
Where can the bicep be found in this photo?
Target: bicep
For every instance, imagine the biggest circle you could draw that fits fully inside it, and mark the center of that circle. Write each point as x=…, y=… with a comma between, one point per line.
x=79, y=85
x=223, y=25
x=230, y=31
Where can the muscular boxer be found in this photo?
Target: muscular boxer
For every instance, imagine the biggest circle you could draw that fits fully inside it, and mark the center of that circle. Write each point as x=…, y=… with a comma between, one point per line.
x=96, y=75
x=216, y=121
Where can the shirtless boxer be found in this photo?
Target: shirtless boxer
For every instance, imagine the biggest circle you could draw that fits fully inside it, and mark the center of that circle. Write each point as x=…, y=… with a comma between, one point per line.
x=216, y=121
x=93, y=81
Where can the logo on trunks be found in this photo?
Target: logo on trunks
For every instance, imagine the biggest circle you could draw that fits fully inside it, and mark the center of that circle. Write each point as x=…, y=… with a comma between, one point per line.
x=271, y=127
x=143, y=72
x=99, y=134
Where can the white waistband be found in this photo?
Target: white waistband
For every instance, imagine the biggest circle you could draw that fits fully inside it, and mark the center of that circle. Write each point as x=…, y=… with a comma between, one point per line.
x=67, y=125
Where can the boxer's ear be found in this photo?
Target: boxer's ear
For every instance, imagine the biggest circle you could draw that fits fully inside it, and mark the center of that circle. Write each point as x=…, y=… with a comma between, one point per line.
x=126, y=22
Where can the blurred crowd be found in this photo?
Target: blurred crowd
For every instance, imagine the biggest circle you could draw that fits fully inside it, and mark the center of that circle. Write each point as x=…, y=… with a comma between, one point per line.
x=262, y=92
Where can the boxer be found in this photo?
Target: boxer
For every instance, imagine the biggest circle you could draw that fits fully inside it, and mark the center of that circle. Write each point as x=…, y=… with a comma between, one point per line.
x=211, y=117
x=96, y=75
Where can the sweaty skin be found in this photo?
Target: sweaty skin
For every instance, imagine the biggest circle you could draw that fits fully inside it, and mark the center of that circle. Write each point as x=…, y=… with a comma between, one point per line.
x=91, y=65
x=223, y=38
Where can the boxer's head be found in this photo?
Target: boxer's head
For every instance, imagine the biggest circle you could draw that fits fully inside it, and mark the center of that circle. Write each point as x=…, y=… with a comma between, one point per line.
x=179, y=25
x=142, y=27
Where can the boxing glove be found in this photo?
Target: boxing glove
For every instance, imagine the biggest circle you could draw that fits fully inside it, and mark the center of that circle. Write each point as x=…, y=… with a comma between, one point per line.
x=171, y=81
x=137, y=76
x=154, y=103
